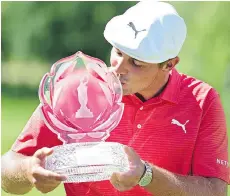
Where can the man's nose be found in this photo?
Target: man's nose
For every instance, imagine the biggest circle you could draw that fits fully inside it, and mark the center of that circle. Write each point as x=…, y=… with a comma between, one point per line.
x=121, y=67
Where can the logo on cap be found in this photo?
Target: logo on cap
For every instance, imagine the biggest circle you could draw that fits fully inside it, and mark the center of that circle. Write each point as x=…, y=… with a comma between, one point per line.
x=134, y=28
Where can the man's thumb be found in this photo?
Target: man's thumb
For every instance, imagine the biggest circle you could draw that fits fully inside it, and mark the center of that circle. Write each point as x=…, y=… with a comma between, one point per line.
x=43, y=152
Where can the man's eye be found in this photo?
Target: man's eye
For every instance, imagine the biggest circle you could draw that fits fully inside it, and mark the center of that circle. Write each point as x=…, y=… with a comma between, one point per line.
x=135, y=65
x=119, y=53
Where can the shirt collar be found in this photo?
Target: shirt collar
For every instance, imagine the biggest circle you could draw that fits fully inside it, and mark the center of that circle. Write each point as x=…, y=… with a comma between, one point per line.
x=172, y=90
x=170, y=93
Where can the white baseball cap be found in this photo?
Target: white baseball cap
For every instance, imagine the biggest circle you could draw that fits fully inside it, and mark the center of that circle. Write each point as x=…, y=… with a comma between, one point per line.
x=150, y=31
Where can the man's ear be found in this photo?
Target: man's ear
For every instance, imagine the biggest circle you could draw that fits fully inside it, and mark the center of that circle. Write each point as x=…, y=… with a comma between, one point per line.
x=171, y=64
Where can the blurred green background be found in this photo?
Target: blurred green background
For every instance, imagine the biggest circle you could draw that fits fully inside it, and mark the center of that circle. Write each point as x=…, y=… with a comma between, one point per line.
x=36, y=34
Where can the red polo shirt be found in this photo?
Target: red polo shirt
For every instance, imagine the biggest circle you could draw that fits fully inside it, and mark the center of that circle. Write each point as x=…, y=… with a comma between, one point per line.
x=182, y=130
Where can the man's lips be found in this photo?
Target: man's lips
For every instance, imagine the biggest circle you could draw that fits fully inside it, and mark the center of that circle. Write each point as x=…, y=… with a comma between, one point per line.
x=123, y=83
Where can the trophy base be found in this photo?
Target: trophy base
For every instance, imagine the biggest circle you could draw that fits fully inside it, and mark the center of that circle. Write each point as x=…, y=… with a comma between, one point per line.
x=88, y=162
x=89, y=173
x=87, y=178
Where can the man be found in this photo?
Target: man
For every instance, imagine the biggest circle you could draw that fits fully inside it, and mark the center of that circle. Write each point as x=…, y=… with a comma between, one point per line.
x=173, y=125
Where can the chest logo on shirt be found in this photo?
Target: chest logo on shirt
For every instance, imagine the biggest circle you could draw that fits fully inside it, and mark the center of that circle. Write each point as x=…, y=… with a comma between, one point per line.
x=176, y=122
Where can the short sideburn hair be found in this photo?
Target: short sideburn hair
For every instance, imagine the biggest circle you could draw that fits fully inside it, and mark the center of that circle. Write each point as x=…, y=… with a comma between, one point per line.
x=163, y=63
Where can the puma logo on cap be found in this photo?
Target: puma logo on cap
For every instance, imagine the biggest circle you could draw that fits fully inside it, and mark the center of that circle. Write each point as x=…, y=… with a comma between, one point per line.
x=134, y=28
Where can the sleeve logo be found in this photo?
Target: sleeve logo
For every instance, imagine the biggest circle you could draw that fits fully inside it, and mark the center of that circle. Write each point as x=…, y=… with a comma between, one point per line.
x=222, y=162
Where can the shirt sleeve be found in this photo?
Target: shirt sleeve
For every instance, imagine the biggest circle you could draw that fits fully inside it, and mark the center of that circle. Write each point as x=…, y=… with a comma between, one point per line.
x=35, y=135
x=210, y=158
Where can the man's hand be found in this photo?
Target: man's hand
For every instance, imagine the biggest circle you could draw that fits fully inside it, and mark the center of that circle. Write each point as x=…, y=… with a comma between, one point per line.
x=127, y=180
x=44, y=180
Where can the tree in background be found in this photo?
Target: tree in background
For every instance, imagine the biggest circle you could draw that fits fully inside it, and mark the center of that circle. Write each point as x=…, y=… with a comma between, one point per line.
x=48, y=31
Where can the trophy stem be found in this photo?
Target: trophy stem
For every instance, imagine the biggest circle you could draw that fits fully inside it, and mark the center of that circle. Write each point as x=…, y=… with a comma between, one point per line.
x=83, y=112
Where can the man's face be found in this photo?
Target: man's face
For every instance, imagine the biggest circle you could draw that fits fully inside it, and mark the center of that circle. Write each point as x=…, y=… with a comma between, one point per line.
x=136, y=76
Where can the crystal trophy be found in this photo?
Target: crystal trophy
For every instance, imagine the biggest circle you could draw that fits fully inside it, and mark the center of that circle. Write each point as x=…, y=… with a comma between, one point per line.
x=81, y=103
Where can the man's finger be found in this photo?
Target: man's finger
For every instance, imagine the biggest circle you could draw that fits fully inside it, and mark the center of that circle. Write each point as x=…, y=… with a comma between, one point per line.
x=113, y=178
x=44, y=174
x=45, y=188
x=131, y=154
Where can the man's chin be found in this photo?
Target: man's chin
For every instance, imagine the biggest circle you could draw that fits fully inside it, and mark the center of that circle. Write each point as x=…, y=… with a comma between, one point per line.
x=126, y=91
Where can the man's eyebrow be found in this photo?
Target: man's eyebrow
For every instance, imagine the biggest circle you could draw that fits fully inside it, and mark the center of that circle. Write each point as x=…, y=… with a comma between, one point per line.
x=117, y=49
x=139, y=61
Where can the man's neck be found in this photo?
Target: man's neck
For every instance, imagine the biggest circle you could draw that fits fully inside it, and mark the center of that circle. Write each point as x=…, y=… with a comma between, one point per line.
x=146, y=96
